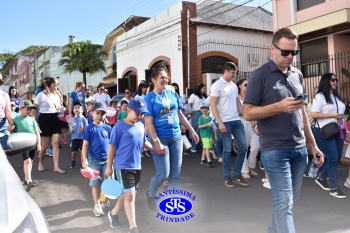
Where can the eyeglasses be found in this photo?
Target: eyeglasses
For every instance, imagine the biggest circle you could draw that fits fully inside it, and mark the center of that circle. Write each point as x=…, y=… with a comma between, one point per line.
x=246, y=84
x=88, y=93
x=101, y=89
x=333, y=80
x=127, y=92
x=285, y=53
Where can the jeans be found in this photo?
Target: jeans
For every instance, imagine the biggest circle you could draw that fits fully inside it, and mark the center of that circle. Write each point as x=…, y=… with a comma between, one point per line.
x=253, y=140
x=332, y=149
x=285, y=169
x=167, y=165
x=218, y=145
x=236, y=129
x=4, y=134
x=194, y=123
x=99, y=165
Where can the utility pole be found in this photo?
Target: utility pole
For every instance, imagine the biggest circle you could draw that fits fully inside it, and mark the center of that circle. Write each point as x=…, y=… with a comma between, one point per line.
x=34, y=76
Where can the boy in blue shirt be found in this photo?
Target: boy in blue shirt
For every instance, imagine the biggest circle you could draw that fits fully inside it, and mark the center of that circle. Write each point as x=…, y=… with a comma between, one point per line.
x=127, y=141
x=95, y=147
x=77, y=131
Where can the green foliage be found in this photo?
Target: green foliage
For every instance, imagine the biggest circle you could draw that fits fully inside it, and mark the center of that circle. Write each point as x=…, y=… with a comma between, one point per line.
x=31, y=48
x=83, y=57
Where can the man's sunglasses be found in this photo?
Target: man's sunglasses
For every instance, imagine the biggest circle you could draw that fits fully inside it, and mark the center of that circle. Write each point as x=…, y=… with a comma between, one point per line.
x=334, y=80
x=285, y=53
x=88, y=93
x=127, y=92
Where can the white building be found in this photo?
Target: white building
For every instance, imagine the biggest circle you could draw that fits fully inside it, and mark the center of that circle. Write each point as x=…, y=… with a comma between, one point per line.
x=47, y=65
x=194, y=40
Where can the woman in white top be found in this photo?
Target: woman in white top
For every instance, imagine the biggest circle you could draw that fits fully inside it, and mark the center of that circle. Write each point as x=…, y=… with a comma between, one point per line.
x=328, y=107
x=100, y=96
x=48, y=102
x=141, y=91
x=195, y=101
x=252, y=139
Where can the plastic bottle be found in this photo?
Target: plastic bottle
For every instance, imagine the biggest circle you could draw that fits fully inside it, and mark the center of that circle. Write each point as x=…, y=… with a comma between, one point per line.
x=313, y=169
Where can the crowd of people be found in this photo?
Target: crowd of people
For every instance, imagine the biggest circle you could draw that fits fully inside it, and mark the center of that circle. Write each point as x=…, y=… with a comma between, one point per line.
x=156, y=117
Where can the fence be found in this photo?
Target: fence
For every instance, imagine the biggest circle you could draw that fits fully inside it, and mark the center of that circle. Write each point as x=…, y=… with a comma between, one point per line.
x=211, y=55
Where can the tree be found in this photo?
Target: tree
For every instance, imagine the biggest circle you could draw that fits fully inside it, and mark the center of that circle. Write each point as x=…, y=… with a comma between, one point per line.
x=83, y=57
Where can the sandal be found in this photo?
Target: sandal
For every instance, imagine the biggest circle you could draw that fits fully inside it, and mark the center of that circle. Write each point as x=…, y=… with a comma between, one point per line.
x=41, y=168
x=253, y=173
x=245, y=175
x=59, y=171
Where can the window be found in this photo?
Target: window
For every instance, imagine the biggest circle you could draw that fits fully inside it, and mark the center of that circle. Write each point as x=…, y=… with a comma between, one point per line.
x=314, y=57
x=303, y=4
x=114, y=54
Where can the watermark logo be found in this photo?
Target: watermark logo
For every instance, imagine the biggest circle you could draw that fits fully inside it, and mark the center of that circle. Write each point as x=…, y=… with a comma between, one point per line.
x=176, y=205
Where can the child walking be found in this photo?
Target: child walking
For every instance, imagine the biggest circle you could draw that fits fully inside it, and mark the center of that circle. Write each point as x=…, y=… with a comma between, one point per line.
x=127, y=141
x=206, y=133
x=94, y=153
x=123, y=110
x=77, y=131
x=26, y=124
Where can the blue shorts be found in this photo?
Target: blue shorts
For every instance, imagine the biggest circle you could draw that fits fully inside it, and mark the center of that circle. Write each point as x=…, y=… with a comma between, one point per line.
x=99, y=165
x=129, y=178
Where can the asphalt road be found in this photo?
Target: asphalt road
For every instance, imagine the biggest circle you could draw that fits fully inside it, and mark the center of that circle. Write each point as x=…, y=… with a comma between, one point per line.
x=67, y=202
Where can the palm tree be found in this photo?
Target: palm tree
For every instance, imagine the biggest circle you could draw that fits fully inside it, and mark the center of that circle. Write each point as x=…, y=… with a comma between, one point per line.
x=83, y=57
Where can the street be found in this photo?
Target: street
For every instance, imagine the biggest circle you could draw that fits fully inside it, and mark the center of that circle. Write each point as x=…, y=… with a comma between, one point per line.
x=67, y=202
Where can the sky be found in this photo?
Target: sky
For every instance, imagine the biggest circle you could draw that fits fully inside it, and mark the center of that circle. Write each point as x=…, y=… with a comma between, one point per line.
x=51, y=22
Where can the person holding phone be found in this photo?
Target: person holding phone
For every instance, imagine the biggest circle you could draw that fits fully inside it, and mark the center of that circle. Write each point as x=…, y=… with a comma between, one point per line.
x=328, y=107
x=270, y=101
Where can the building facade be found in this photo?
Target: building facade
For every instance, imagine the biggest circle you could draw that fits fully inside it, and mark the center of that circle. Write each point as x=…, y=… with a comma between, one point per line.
x=194, y=41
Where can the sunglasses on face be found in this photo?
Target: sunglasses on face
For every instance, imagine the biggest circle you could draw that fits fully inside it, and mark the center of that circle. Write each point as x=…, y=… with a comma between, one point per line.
x=333, y=80
x=101, y=89
x=88, y=93
x=127, y=92
x=246, y=84
x=286, y=53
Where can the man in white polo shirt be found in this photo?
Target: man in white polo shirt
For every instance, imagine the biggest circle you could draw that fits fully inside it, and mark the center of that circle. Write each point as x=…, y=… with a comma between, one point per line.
x=223, y=96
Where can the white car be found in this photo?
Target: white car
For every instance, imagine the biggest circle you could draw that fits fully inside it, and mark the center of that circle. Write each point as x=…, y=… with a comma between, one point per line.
x=19, y=212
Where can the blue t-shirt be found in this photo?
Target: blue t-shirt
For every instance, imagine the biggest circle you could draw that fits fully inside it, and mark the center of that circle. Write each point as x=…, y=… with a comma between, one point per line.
x=129, y=140
x=98, y=138
x=90, y=118
x=80, y=122
x=157, y=109
x=78, y=97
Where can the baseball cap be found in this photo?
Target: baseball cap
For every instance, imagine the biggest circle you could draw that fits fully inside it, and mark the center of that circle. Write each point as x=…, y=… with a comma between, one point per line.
x=204, y=105
x=26, y=103
x=99, y=106
x=138, y=105
x=77, y=103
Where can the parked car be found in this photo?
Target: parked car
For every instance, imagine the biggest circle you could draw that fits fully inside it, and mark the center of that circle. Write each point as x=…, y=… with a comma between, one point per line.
x=118, y=97
x=19, y=213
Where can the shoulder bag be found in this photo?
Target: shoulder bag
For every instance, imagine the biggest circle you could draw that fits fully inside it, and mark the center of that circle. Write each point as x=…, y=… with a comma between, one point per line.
x=330, y=130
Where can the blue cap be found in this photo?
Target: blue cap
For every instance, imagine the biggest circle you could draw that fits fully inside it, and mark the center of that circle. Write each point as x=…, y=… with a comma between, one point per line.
x=99, y=106
x=138, y=105
x=204, y=104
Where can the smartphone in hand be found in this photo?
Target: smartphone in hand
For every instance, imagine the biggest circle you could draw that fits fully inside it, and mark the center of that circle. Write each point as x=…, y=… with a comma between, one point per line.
x=300, y=96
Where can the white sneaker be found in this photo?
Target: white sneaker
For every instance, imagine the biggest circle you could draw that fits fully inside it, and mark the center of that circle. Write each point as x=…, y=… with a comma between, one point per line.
x=98, y=211
x=266, y=183
x=347, y=183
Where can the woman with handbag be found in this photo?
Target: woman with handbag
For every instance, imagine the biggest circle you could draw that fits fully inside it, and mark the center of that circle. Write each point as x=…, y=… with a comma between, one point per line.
x=330, y=131
x=48, y=102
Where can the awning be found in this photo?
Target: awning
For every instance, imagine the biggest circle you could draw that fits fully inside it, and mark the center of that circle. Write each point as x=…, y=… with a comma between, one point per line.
x=322, y=22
